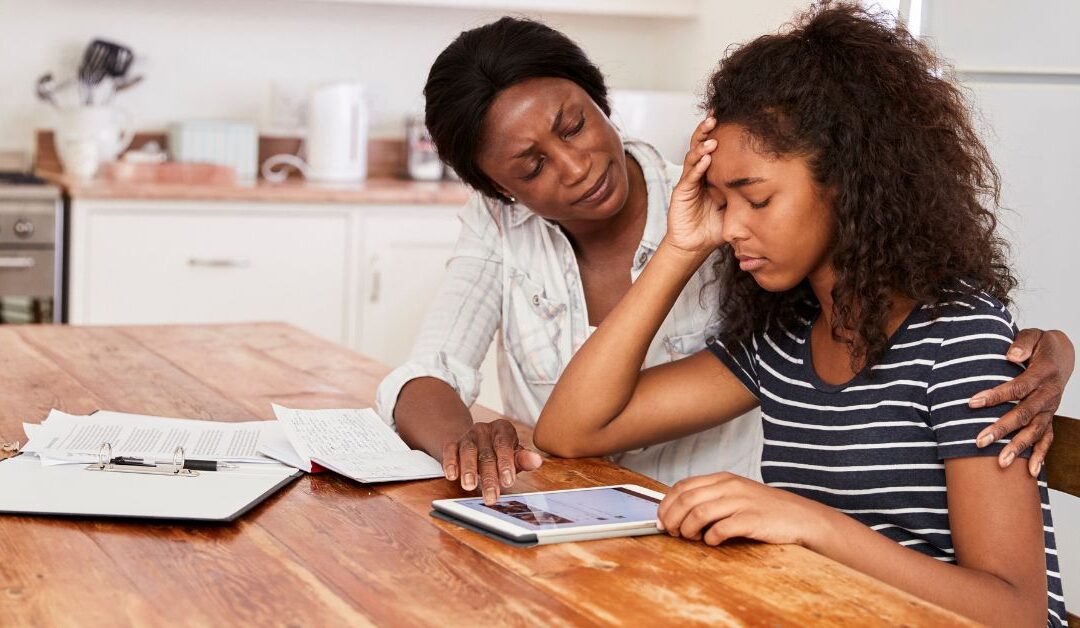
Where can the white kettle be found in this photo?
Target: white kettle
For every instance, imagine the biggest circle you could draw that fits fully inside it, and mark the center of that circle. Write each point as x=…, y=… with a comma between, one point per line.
x=335, y=150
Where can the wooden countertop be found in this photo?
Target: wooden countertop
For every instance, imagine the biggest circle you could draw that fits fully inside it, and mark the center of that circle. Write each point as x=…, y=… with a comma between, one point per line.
x=383, y=191
x=329, y=551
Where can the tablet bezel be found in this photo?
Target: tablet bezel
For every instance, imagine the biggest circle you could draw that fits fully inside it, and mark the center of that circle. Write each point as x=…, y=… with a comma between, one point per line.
x=454, y=508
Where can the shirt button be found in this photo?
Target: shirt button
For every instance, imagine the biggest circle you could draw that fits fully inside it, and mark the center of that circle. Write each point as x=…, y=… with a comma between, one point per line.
x=644, y=257
x=536, y=299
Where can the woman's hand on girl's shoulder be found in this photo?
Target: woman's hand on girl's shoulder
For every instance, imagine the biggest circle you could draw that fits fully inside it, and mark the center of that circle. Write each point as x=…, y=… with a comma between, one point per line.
x=1050, y=358
x=695, y=218
x=717, y=507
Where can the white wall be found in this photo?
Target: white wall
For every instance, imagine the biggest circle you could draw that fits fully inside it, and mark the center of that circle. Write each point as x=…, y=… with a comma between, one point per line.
x=208, y=58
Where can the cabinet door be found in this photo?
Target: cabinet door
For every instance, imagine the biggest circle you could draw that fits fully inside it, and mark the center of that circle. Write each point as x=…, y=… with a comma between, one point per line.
x=176, y=266
x=404, y=258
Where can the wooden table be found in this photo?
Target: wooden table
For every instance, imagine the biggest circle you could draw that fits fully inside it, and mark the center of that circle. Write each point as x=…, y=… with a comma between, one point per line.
x=328, y=551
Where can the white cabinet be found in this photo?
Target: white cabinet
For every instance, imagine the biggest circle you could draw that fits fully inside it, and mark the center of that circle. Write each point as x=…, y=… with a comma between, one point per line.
x=405, y=250
x=149, y=262
x=360, y=275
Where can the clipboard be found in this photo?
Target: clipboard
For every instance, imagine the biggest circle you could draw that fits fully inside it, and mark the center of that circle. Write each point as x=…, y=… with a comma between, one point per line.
x=81, y=490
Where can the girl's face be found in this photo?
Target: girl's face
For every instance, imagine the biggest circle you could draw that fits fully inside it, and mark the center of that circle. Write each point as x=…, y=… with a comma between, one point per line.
x=775, y=218
x=546, y=143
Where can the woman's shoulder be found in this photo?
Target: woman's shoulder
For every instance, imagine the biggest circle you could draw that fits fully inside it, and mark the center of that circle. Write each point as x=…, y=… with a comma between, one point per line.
x=651, y=161
x=491, y=217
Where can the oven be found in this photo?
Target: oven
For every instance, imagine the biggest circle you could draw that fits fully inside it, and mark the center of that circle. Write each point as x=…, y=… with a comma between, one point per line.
x=31, y=250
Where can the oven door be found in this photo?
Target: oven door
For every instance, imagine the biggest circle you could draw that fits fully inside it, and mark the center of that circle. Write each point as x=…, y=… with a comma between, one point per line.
x=27, y=285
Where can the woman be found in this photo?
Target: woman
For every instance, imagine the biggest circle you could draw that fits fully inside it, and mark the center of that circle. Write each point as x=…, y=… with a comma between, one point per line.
x=863, y=346
x=565, y=217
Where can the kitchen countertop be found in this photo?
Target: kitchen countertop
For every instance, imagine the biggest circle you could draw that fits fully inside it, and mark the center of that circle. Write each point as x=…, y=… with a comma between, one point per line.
x=373, y=191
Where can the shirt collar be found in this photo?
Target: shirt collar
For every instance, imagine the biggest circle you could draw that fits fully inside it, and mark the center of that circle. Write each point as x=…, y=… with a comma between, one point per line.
x=658, y=190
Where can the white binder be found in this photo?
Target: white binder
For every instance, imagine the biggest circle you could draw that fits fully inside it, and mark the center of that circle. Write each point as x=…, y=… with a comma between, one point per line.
x=27, y=487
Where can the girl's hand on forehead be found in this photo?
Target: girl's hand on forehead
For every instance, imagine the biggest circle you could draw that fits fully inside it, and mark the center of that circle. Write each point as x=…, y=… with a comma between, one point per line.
x=695, y=218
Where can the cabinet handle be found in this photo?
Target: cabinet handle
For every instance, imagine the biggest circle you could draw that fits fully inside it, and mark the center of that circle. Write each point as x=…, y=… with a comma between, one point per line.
x=16, y=262
x=219, y=262
x=376, y=279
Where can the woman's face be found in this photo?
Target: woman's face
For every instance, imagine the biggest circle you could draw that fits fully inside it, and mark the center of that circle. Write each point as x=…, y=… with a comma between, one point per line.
x=546, y=143
x=775, y=218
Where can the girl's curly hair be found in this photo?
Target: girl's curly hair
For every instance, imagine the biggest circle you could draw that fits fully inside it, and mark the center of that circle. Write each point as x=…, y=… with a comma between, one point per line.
x=913, y=188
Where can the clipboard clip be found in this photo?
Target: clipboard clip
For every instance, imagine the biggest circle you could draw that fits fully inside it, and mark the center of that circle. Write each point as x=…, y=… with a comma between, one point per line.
x=105, y=463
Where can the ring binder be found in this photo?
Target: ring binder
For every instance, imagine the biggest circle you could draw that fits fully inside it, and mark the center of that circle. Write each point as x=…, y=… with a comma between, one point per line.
x=105, y=463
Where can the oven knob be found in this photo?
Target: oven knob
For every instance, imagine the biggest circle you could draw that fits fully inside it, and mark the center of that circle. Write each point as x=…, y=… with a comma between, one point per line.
x=23, y=228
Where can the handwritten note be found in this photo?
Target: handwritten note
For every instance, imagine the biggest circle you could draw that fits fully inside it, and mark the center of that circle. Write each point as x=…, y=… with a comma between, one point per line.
x=355, y=443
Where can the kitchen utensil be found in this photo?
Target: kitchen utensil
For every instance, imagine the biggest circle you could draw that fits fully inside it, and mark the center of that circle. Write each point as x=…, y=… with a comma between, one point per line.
x=336, y=145
x=45, y=87
x=100, y=59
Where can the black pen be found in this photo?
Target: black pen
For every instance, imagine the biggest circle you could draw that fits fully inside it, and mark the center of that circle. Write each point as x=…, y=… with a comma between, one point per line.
x=194, y=465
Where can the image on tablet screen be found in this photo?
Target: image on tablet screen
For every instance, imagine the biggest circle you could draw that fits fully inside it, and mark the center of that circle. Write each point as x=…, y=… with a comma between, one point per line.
x=570, y=509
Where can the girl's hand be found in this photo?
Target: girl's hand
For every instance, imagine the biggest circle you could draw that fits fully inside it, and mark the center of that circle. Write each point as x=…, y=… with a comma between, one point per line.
x=695, y=220
x=717, y=507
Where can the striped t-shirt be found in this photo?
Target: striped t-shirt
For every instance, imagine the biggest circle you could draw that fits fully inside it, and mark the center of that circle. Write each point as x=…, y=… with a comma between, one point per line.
x=873, y=447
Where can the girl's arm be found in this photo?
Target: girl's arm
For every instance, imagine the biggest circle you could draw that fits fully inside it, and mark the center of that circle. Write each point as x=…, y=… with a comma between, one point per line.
x=1000, y=575
x=1002, y=566
x=603, y=402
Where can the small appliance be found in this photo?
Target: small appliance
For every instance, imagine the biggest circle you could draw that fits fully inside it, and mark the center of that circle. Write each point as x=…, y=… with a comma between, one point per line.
x=335, y=149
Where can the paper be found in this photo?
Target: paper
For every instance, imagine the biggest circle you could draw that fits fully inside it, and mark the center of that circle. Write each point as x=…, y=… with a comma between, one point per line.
x=386, y=467
x=64, y=437
x=353, y=442
x=274, y=443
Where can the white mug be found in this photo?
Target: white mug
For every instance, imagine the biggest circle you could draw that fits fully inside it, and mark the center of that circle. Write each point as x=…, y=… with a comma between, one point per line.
x=105, y=127
x=80, y=157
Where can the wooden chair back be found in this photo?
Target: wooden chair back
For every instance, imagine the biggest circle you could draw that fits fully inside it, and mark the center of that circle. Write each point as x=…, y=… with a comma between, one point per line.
x=1063, y=459
x=1063, y=468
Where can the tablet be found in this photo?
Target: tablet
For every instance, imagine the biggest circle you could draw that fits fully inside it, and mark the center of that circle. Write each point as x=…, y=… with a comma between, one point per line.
x=578, y=514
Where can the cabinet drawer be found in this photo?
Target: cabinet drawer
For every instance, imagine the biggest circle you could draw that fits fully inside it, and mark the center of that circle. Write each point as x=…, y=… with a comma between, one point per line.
x=200, y=267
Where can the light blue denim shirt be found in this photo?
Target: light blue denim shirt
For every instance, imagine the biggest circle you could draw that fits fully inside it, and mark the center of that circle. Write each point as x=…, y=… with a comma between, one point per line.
x=514, y=278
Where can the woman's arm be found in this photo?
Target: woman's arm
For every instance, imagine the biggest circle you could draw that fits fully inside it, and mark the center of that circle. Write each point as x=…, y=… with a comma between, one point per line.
x=603, y=402
x=1000, y=575
x=427, y=398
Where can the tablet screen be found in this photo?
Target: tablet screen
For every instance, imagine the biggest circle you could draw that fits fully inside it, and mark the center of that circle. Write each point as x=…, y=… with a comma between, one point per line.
x=570, y=509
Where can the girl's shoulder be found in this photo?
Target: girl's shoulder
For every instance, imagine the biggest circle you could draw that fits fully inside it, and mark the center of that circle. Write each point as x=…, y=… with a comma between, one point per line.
x=964, y=303
x=961, y=319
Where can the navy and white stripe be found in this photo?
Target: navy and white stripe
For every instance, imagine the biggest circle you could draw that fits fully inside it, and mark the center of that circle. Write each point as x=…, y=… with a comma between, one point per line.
x=874, y=447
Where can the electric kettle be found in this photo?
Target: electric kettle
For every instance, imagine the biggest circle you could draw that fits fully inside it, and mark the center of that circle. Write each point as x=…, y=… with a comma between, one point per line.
x=335, y=150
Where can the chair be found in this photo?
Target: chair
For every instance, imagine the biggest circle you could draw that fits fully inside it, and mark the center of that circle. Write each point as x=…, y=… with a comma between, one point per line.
x=1063, y=469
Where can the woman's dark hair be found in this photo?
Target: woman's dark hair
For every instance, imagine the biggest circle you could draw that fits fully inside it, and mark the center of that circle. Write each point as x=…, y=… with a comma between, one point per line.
x=468, y=75
x=889, y=142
